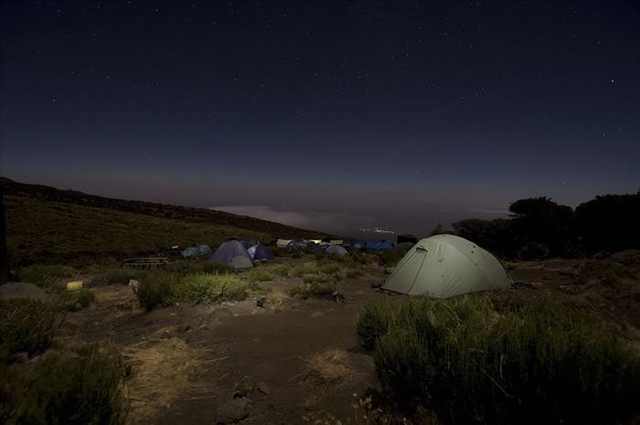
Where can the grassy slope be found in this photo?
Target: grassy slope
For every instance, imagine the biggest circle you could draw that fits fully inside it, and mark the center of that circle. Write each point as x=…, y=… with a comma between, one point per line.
x=50, y=225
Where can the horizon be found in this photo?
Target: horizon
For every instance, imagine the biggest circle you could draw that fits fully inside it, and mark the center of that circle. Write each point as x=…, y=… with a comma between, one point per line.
x=335, y=115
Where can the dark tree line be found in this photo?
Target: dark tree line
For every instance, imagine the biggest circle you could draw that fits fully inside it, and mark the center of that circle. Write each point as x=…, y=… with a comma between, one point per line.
x=540, y=228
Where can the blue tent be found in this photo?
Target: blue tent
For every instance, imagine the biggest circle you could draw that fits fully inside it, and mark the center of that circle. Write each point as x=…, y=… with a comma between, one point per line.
x=379, y=246
x=232, y=254
x=261, y=253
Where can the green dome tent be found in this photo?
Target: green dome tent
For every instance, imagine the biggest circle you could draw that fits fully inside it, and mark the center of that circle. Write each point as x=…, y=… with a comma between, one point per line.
x=445, y=265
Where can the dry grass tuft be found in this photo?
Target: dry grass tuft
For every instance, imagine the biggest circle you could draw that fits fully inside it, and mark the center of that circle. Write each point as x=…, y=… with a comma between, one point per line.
x=161, y=373
x=330, y=366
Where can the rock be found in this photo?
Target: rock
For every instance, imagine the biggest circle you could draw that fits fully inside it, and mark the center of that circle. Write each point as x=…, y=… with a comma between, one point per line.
x=243, y=388
x=263, y=388
x=338, y=297
x=74, y=285
x=13, y=290
x=134, y=285
x=233, y=411
x=260, y=301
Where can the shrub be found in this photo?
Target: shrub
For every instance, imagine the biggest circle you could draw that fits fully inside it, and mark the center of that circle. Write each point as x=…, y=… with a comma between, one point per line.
x=213, y=268
x=46, y=276
x=539, y=363
x=85, y=387
x=304, y=269
x=373, y=323
x=330, y=268
x=280, y=270
x=115, y=277
x=314, y=286
x=156, y=288
x=26, y=326
x=257, y=275
x=78, y=299
x=390, y=258
x=207, y=288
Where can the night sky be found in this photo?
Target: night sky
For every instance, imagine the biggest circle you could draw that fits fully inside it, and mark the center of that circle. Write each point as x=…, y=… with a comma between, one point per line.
x=330, y=115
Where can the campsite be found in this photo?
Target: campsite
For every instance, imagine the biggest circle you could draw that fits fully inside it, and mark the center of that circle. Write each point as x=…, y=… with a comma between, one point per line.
x=335, y=212
x=293, y=330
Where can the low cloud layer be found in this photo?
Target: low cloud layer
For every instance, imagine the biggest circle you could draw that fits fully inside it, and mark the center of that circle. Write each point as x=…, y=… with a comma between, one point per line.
x=316, y=220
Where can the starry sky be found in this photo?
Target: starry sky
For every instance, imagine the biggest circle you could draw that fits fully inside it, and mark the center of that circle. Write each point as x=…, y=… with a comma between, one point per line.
x=329, y=114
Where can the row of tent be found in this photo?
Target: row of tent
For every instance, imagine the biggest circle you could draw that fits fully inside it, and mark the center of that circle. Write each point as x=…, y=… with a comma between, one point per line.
x=355, y=245
x=440, y=266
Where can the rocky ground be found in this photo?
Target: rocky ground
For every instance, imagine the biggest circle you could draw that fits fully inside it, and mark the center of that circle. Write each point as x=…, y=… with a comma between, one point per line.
x=275, y=359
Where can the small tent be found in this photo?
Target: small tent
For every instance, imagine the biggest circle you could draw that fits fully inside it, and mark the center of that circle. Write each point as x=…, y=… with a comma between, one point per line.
x=444, y=266
x=232, y=254
x=196, y=251
x=336, y=250
x=282, y=243
x=260, y=253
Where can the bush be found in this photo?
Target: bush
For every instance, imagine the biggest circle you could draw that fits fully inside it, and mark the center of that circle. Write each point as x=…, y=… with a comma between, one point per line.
x=373, y=323
x=213, y=268
x=257, y=275
x=330, y=268
x=206, y=288
x=280, y=270
x=46, y=276
x=85, y=387
x=304, y=269
x=77, y=299
x=156, y=289
x=26, y=326
x=115, y=277
x=391, y=258
x=540, y=363
x=315, y=286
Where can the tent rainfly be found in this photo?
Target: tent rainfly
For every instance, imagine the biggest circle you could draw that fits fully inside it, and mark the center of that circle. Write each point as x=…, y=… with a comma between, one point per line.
x=232, y=254
x=444, y=266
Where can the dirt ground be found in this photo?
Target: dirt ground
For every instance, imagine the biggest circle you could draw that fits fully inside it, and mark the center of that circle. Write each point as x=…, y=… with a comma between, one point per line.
x=293, y=361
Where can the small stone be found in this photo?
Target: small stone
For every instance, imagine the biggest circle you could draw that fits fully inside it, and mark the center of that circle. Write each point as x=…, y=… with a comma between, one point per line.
x=261, y=301
x=233, y=411
x=134, y=285
x=263, y=388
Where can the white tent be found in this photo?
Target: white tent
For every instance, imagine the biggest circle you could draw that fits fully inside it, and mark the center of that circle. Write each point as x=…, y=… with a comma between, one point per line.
x=444, y=266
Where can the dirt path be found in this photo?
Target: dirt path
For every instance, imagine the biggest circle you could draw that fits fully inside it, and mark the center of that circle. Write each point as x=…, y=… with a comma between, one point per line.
x=285, y=363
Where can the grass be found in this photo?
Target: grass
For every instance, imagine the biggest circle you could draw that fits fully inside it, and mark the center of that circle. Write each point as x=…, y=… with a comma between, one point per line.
x=77, y=299
x=26, y=326
x=115, y=277
x=159, y=288
x=308, y=267
x=47, y=276
x=315, y=286
x=207, y=288
x=280, y=270
x=538, y=363
x=85, y=386
x=54, y=232
x=156, y=289
x=259, y=275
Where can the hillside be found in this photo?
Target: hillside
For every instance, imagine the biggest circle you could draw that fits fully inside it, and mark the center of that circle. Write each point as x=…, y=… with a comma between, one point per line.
x=49, y=225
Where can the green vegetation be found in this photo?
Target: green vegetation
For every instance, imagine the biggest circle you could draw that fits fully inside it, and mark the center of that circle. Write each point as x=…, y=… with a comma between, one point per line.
x=280, y=270
x=331, y=268
x=54, y=232
x=47, y=276
x=81, y=387
x=115, y=277
x=391, y=258
x=259, y=275
x=205, y=288
x=160, y=288
x=353, y=273
x=537, y=363
x=77, y=299
x=26, y=326
x=309, y=267
x=315, y=286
